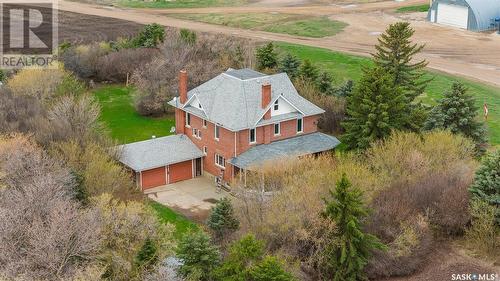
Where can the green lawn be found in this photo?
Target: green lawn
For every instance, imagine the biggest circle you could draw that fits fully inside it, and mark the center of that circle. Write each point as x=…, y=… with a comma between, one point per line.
x=167, y=215
x=343, y=66
x=416, y=8
x=124, y=123
x=167, y=4
x=307, y=26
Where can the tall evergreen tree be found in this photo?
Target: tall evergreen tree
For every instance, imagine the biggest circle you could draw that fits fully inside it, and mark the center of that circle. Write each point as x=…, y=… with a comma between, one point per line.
x=347, y=258
x=345, y=89
x=395, y=53
x=199, y=256
x=290, y=65
x=267, y=58
x=457, y=112
x=375, y=108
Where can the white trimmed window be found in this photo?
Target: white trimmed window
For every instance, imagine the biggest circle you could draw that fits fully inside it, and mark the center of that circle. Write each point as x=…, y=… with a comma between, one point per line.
x=195, y=132
x=217, y=132
x=205, y=150
x=188, y=119
x=198, y=135
x=300, y=125
x=204, y=123
x=276, y=105
x=277, y=129
x=252, y=135
x=220, y=161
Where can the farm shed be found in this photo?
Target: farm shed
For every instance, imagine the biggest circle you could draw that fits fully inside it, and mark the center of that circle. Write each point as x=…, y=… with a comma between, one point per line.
x=162, y=161
x=475, y=15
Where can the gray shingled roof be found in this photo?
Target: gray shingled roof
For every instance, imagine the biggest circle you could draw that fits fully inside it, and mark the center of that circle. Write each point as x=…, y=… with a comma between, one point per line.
x=233, y=99
x=159, y=152
x=293, y=147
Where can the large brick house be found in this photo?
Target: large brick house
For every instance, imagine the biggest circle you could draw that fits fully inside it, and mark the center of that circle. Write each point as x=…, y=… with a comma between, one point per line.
x=234, y=122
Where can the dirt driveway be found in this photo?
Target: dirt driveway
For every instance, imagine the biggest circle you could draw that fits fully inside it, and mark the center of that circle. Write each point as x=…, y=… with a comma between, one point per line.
x=458, y=52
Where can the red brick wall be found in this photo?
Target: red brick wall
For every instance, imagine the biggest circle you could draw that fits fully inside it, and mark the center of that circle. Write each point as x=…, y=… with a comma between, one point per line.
x=225, y=146
x=180, y=121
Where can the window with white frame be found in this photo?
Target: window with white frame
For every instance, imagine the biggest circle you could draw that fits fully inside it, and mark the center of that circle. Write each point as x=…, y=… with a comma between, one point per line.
x=199, y=106
x=277, y=129
x=205, y=150
x=300, y=125
x=188, y=119
x=198, y=135
x=204, y=123
x=252, y=137
x=195, y=132
x=217, y=132
x=220, y=161
x=276, y=105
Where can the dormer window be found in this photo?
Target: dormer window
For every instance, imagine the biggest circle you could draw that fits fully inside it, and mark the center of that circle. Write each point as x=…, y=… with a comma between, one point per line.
x=276, y=105
x=199, y=105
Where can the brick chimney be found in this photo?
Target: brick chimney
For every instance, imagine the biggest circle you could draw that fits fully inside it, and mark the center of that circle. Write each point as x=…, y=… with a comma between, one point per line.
x=183, y=77
x=266, y=99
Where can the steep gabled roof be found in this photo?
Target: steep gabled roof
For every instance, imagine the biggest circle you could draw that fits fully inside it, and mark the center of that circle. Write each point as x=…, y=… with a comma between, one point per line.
x=233, y=98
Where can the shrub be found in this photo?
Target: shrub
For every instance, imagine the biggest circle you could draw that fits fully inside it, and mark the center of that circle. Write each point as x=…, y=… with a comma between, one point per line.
x=188, y=36
x=126, y=226
x=45, y=235
x=270, y=268
x=147, y=256
x=199, y=256
x=483, y=236
x=334, y=107
x=39, y=83
x=486, y=184
x=120, y=65
x=83, y=60
x=96, y=168
x=222, y=221
x=150, y=37
x=243, y=254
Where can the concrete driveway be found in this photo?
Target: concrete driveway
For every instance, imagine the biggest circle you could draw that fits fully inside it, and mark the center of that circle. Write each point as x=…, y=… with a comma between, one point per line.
x=193, y=198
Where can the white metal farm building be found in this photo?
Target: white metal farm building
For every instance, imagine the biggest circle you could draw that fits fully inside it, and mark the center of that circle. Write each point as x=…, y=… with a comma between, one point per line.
x=476, y=15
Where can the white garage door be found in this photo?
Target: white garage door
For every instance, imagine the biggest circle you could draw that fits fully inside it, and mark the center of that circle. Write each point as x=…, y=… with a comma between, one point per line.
x=453, y=15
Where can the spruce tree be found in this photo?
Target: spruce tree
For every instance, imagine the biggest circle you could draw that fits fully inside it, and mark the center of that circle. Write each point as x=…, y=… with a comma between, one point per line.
x=345, y=89
x=347, y=257
x=395, y=53
x=375, y=108
x=457, y=112
x=267, y=58
x=486, y=186
x=290, y=65
x=147, y=256
x=324, y=83
x=199, y=256
x=222, y=220
x=308, y=71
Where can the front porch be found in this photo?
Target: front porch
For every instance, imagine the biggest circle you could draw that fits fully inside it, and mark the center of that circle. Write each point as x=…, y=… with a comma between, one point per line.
x=193, y=198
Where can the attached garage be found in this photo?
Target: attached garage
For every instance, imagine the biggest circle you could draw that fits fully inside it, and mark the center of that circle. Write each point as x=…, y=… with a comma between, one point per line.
x=476, y=15
x=162, y=161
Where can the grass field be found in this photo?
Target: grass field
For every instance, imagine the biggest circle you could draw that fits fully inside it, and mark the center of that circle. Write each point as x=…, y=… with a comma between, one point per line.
x=124, y=123
x=343, y=66
x=165, y=4
x=166, y=215
x=307, y=26
x=412, y=9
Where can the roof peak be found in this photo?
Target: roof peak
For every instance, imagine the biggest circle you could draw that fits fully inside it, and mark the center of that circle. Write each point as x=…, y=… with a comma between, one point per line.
x=244, y=74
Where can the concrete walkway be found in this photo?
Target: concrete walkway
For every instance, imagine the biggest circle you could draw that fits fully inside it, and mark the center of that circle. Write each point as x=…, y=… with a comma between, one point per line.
x=193, y=198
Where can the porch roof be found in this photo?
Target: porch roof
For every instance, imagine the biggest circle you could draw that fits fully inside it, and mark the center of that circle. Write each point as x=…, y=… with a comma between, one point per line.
x=292, y=147
x=159, y=152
